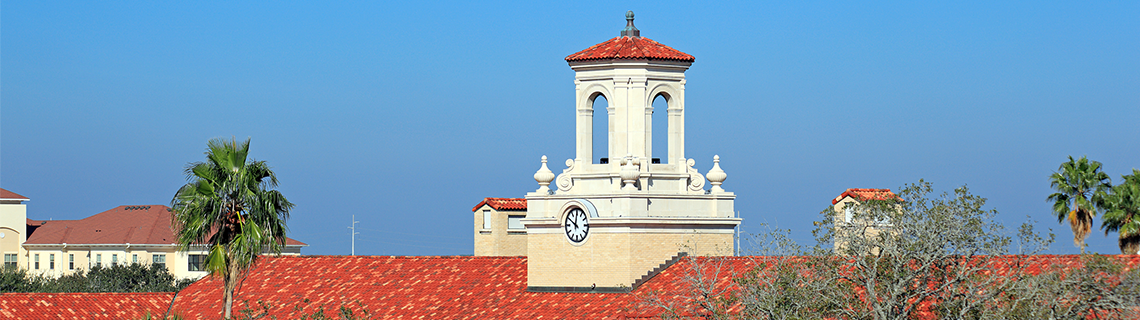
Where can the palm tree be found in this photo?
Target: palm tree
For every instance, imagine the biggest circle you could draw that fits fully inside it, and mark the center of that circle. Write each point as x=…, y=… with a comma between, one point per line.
x=1081, y=184
x=229, y=206
x=1122, y=213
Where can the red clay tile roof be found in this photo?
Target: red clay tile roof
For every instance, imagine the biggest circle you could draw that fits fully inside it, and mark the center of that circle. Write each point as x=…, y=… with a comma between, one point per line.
x=399, y=288
x=630, y=48
x=866, y=194
x=464, y=288
x=9, y=195
x=145, y=224
x=502, y=204
x=27, y=306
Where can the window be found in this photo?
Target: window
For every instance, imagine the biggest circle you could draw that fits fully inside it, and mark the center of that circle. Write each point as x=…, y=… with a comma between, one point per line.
x=10, y=260
x=98, y=259
x=135, y=258
x=600, y=129
x=197, y=262
x=884, y=221
x=37, y=261
x=848, y=213
x=71, y=261
x=486, y=219
x=515, y=222
x=114, y=259
x=159, y=259
x=659, y=126
x=51, y=261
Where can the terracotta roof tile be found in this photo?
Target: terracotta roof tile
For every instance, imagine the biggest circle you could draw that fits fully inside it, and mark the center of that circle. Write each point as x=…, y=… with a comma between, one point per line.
x=866, y=194
x=502, y=204
x=142, y=224
x=9, y=195
x=630, y=48
x=28, y=306
x=463, y=288
x=400, y=288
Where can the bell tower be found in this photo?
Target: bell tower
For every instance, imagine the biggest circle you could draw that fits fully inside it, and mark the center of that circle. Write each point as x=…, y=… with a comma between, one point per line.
x=610, y=219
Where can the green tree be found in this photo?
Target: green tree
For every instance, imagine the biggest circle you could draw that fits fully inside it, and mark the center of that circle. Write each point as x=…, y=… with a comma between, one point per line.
x=1122, y=213
x=133, y=277
x=229, y=205
x=1081, y=187
x=117, y=278
x=14, y=279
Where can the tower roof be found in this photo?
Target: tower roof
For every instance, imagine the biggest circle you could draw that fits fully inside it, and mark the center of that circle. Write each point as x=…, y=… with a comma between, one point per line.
x=630, y=48
x=630, y=45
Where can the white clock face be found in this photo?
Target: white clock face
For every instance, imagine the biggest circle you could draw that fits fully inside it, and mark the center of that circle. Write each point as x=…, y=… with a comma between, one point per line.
x=577, y=226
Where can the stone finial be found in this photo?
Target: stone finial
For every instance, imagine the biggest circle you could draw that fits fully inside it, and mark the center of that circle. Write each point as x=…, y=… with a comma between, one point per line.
x=716, y=176
x=544, y=177
x=630, y=30
x=630, y=171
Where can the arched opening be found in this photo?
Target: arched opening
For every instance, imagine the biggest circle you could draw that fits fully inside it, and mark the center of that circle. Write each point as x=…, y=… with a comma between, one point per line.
x=601, y=130
x=660, y=127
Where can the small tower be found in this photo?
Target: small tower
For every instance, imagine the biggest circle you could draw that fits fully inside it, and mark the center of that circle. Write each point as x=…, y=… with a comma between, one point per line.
x=851, y=221
x=602, y=225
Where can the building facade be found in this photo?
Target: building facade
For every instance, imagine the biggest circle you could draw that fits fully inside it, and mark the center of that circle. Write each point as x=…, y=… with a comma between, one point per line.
x=122, y=235
x=850, y=221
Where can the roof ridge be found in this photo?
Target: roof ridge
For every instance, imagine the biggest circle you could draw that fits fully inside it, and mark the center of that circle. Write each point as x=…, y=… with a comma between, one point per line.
x=92, y=293
x=66, y=233
x=630, y=48
x=154, y=227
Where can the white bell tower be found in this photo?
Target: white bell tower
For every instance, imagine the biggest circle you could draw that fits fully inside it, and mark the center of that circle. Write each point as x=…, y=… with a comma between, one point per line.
x=606, y=223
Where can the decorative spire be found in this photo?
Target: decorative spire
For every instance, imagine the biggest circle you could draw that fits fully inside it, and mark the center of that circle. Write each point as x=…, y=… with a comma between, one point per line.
x=716, y=175
x=630, y=30
x=544, y=177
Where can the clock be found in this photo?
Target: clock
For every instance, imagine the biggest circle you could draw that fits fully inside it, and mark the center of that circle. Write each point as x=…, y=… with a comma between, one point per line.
x=577, y=225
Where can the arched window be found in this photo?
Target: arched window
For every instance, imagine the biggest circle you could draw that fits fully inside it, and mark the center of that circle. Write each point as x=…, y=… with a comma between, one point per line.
x=601, y=138
x=660, y=127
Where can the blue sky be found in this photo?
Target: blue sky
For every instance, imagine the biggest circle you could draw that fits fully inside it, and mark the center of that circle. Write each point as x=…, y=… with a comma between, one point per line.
x=407, y=114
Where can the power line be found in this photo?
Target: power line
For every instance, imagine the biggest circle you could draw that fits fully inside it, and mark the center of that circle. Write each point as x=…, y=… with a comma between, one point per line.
x=406, y=244
x=422, y=235
x=413, y=240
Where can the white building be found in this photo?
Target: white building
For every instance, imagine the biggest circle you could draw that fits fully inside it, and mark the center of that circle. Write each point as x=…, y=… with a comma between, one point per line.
x=121, y=235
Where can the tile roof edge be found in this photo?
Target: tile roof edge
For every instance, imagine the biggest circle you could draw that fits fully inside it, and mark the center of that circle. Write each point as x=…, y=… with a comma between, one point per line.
x=9, y=195
x=397, y=257
x=488, y=200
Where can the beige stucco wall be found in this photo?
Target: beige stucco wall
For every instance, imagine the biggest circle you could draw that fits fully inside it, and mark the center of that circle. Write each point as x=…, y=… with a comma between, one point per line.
x=845, y=229
x=13, y=226
x=86, y=257
x=498, y=240
x=615, y=256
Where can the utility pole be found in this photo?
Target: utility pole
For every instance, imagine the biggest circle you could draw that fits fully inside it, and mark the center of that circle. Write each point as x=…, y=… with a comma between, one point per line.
x=736, y=236
x=353, y=233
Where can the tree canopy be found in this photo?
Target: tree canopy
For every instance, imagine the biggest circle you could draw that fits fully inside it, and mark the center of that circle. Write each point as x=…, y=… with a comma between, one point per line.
x=229, y=205
x=1122, y=213
x=1081, y=187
